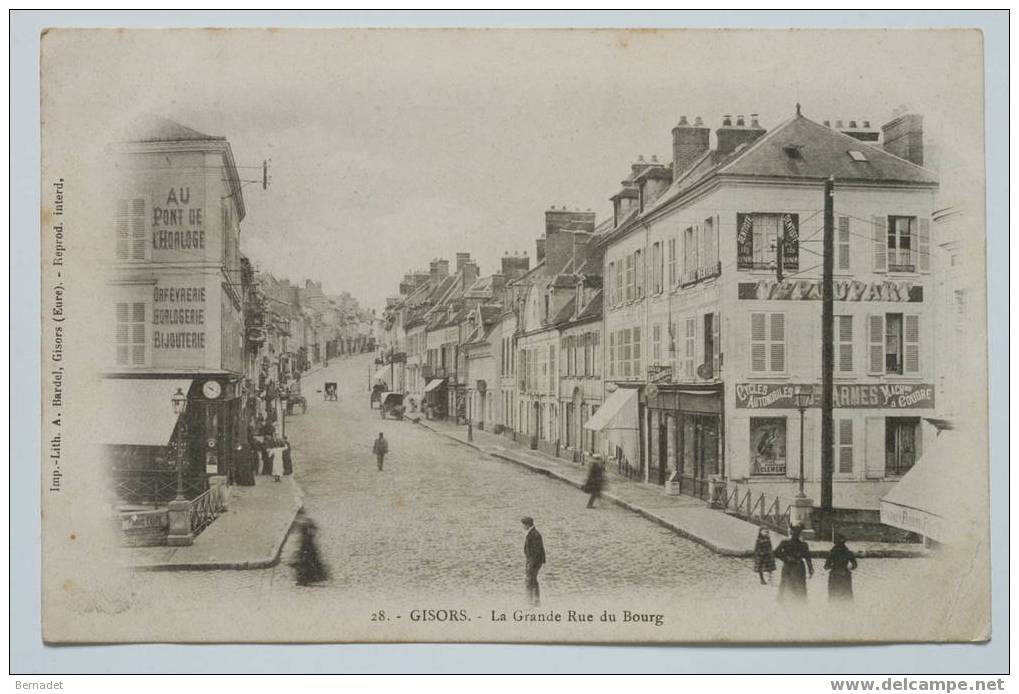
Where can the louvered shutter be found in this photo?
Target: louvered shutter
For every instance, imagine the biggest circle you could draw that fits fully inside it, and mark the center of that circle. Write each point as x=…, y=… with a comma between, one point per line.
x=716, y=339
x=911, y=344
x=843, y=255
x=758, y=342
x=778, y=342
x=122, y=337
x=875, y=466
x=923, y=246
x=876, y=343
x=880, y=243
x=845, y=344
x=845, y=447
x=716, y=227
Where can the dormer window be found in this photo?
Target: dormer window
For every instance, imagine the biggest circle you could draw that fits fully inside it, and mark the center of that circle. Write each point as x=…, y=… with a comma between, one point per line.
x=857, y=155
x=793, y=151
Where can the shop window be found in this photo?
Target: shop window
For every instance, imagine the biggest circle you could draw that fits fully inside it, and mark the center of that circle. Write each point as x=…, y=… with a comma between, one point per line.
x=767, y=445
x=901, y=444
x=130, y=334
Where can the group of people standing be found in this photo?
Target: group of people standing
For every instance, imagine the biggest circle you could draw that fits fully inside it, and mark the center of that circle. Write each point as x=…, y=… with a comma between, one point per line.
x=794, y=554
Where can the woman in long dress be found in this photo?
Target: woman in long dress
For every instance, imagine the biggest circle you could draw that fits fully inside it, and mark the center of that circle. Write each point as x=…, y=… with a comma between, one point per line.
x=841, y=563
x=796, y=566
x=276, y=453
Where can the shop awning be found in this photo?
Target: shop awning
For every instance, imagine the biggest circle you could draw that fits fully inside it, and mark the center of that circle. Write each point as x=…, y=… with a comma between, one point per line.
x=931, y=498
x=138, y=411
x=617, y=420
x=433, y=384
x=618, y=412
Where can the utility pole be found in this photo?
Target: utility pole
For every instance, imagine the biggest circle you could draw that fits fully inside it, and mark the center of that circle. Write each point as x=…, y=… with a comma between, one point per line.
x=827, y=361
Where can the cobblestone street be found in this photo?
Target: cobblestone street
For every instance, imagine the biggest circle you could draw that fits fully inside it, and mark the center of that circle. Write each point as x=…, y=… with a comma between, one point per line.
x=442, y=520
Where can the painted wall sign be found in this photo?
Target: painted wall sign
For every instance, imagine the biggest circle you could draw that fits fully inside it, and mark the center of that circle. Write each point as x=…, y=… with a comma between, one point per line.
x=659, y=373
x=845, y=290
x=892, y=396
x=178, y=318
x=768, y=228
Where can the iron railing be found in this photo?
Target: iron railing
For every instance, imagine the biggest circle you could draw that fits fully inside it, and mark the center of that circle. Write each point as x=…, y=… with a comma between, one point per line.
x=204, y=509
x=153, y=486
x=742, y=502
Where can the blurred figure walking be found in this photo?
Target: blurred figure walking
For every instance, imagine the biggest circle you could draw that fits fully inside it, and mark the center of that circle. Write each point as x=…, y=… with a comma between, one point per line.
x=380, y=448
x=841, y=563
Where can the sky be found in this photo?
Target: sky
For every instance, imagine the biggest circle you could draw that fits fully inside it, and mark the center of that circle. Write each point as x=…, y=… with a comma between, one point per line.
x=391, y=148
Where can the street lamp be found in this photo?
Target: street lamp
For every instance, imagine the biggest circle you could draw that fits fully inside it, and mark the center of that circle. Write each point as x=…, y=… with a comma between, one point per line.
x=804, y=398
x=179, y=510
x=179, y=402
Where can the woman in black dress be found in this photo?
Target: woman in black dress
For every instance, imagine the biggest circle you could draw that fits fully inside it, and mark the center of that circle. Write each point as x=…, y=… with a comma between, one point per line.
x=595, y=482
x=796, y=566
x=841, y=563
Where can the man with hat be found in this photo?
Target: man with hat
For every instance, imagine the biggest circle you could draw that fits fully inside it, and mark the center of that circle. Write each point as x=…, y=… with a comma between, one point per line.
x=534, y=554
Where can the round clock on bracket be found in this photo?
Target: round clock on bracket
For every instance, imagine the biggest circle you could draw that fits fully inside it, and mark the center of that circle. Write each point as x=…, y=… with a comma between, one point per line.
x=211, y=389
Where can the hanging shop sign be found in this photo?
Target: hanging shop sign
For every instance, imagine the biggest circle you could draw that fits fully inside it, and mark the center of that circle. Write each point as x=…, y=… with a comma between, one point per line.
x=844, y=290
x=890, y=396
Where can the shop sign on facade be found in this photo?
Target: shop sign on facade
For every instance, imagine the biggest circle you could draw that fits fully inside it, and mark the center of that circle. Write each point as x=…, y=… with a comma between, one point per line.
x=659, y=373
x=891, y=396
x=844, y=290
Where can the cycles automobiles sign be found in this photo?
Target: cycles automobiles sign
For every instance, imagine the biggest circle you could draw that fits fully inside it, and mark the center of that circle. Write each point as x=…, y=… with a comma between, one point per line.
x=891, y=396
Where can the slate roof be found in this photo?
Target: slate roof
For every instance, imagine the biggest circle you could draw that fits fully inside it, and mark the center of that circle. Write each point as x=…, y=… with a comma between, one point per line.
x=821, y=152
x=153, y=128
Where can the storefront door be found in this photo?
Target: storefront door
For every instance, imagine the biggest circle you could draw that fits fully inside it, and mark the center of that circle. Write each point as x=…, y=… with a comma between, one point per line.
x=699, y=435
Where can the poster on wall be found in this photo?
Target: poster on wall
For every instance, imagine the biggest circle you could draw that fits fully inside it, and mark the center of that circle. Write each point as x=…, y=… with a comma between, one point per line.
x=767, y=445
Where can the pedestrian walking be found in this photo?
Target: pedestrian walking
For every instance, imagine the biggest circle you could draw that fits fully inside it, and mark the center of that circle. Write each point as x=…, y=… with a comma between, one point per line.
x=595, y=481
x=796, y=566
x=276, y=454
x=534, y=556
x=288, y=459
x=841, y=563
x=380, y=448
x=308, y=565
x=764, y=557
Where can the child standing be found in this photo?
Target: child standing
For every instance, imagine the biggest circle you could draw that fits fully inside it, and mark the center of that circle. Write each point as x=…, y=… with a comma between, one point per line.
x=764, y=556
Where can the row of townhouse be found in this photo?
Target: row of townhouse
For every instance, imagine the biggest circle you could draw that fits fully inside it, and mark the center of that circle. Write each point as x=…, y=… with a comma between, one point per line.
x=672, y=337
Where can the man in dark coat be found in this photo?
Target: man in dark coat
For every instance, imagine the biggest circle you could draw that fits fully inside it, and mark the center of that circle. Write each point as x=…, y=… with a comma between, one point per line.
x=534, y=554
x=795, y=556
x=380, y=448
x=595, y=482
x=288, y=460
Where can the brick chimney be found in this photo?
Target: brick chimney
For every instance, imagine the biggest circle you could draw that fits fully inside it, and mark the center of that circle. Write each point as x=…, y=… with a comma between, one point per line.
x=903, y=137
x=469, y=274
x=438, y=269
x=861, y=130
x=732, y=136
x=561, y=245
x=515, y=265
x=539, y=255
x=570, y=220
x=461, y=260
x=689, y=143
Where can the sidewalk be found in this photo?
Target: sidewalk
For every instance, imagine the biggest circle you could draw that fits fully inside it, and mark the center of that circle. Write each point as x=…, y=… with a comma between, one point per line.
x=686, y=516
x=248, y=535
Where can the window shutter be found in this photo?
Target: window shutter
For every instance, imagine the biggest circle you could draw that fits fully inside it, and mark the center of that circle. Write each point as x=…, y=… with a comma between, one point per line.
x=845, y=447
x=911, y=344
x=716, y=336
x=715, y=227
x=778, y=342
x=875, y=466
x=758, y=342
x=923, y=247
x=845, y=344
x=843, y=256
x=880, y=243
x=876, y=343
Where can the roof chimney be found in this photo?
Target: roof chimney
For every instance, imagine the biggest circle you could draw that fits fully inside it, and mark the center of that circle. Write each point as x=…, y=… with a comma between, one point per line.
x=729, y=137
x=461, y=260
x=688, y=144
x=740, y=122
x=903, y=137
x=539, y=250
